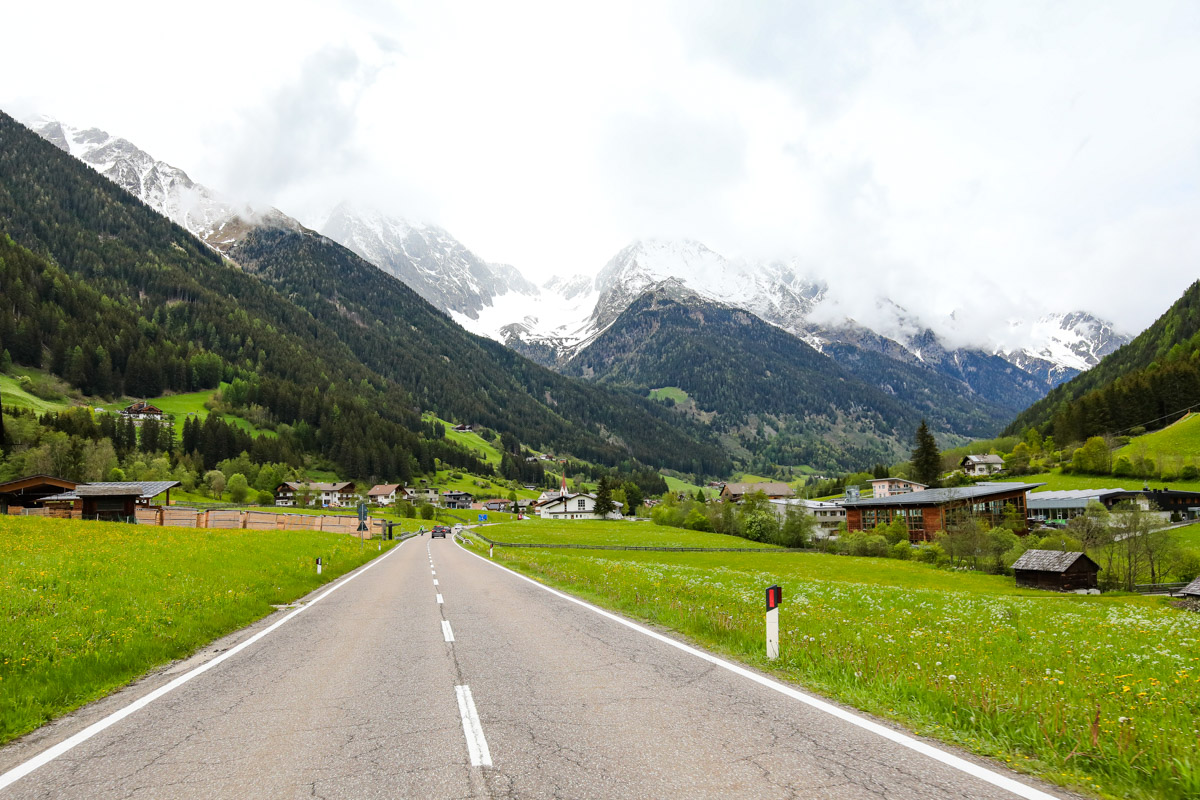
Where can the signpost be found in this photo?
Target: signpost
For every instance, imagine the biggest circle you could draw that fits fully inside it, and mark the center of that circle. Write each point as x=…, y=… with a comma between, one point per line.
x=774, y=597
x=362, y=525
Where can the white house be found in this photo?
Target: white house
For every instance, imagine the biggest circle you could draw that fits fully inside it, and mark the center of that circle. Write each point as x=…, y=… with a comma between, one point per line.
x=318, y=494
x=982, y=465
x=386, y=494
x=574, y=506
x=886, y=487
x=829, y=516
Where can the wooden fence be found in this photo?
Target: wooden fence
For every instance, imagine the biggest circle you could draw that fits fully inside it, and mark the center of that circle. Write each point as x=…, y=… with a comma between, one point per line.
x=230, y=518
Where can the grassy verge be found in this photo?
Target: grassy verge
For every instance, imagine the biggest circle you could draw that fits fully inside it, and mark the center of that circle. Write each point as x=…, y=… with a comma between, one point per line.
x=89, y=606
x=1097, y=693
x=596, y=532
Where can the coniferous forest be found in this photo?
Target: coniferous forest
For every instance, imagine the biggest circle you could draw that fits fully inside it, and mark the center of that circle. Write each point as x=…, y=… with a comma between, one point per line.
x=116, y=300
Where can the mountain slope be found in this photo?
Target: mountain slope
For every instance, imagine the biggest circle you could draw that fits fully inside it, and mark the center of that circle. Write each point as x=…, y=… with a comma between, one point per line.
x=751, y=381
x=1147, y=382
x=306, y=364
x=210, y=216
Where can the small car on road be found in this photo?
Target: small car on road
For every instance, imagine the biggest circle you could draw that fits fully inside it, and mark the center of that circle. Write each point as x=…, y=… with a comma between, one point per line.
x=439, y=530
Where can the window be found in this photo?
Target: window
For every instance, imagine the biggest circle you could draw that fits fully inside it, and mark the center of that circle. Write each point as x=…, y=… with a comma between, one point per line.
x=582, y=505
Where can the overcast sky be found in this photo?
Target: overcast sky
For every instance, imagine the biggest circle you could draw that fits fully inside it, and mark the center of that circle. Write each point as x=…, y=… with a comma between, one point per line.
x=984, y=157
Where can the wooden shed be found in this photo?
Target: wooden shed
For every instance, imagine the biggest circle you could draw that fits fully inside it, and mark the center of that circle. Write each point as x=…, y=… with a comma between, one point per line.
x=1056, y=570
x=26, y=492
x=1192, y=590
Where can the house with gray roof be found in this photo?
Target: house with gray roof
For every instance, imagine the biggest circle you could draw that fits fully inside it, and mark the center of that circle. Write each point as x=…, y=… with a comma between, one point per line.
x=982, y=465
x=1057, y=570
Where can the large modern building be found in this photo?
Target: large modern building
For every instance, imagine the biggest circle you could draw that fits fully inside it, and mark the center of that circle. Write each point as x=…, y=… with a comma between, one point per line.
x=927, y=512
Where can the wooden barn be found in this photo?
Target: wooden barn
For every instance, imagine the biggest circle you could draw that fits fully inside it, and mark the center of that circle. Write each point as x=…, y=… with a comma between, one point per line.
x=29, y=492
x=1056, y=570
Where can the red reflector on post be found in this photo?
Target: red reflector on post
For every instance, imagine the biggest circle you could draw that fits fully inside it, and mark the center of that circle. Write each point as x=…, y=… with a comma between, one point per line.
x=774, y=597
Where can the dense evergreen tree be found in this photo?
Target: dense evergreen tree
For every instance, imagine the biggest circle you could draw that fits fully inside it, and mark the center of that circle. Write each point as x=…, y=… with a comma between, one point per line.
x=604, y=500
x=926, y=458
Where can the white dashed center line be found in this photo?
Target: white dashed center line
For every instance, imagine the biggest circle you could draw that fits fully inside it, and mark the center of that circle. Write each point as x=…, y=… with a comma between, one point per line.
x=439, y=598
x=476, y=745
x=435, y=583
x=449, y=634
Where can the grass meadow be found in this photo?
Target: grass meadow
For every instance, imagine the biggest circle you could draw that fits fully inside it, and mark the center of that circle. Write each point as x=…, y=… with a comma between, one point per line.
x=1057, y=481
x=180, y=405
x=1179, y=438
x=89, y=606
x=16, y=397
x=1101, y=694
x=597, y=532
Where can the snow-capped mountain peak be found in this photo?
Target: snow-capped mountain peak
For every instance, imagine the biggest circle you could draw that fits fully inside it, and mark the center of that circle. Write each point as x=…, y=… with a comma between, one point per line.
x=207, y=214
x=431, y=261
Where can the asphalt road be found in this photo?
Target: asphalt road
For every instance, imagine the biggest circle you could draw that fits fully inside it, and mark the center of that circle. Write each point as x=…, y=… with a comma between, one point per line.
x=364, y=695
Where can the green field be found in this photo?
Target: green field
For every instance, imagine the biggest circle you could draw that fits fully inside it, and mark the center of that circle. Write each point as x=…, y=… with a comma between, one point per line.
x=16, y=397
x=1181, y=438
x=1056, y=481
x=678, y=485
x=484, y=450
x=670, y=392
x=89, y=606
x=1097, y=693
x=180, y=405
x=597, y=532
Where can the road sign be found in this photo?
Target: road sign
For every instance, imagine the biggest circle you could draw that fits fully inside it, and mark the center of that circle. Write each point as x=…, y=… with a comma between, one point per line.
x=483, y=517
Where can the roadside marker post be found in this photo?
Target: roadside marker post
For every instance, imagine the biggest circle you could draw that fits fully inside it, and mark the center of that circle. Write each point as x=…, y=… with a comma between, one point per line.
x=491, y=551
x=318, y=565
x=774, y=596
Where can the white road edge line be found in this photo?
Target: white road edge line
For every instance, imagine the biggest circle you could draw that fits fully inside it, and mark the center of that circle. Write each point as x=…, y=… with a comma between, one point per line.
x=477, y=747
x=449, y=634
x=46, y=756
x=949, y=759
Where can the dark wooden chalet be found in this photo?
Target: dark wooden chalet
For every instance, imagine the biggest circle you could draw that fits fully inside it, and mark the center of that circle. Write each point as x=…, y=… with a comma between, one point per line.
x=1056, y=570
x=927, y=512
x=29, y=492
x=108, y=501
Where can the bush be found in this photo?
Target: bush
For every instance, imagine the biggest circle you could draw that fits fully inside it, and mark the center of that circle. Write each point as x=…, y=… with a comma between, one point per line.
x=1060, y=541
x=239, y=488
x=1190, y=472
x=266, y=499
x=868, y=545
x=426, y=511
x=902, y=551
x=931, y=554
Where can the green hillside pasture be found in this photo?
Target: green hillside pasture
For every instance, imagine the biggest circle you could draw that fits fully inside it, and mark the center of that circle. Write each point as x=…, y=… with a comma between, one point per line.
x=1097, y=693
x=485, y=451
x=1177, y=440
x=16, y=397
x=679, y=485
x=180, y=405
x=670, y=392
x=612, y=532
x=1057, y=481
x=89, y=606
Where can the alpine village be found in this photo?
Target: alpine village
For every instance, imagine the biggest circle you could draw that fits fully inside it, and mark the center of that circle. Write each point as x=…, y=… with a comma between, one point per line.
x=998, y=551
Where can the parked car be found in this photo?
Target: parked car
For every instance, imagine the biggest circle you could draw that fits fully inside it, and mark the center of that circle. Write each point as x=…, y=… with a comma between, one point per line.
x=439, y=530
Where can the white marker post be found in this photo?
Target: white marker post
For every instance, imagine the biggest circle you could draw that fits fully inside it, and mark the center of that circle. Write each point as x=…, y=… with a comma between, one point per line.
x=318, y=565
x=774, y=596
x=491, y=551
